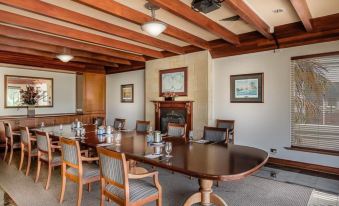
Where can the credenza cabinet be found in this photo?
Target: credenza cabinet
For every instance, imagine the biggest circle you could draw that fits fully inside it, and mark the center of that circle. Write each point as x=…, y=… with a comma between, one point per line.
x=49, y=120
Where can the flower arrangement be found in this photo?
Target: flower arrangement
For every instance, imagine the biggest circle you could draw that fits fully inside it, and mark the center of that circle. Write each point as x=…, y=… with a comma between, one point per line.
x=170, y=96
x=30, y=96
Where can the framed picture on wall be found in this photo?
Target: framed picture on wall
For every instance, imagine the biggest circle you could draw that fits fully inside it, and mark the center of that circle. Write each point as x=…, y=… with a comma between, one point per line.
x=173, y=81
x=127, y=93
x=247, y=88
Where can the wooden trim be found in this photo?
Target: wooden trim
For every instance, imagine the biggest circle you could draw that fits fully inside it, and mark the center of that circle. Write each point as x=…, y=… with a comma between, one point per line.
x=47, y=39
x=304, y=166
x=315, y=55
x=165, y=71
x=56, y=12
x=249, y=16
x=312, y=150
x=126, y=13
x=26, y=22
x=304, y=13
x=182, y=10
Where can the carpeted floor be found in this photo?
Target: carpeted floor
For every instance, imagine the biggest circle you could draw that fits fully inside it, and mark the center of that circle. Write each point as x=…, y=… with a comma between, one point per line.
x=252, y=191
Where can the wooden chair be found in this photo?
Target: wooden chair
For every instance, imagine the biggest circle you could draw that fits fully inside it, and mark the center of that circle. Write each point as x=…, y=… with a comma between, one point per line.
x=10, y=141
x=122, y=187
x=89, y=127
x=176, y=131
x=228, y=124
x=74, y=169
x=216, y=135
x=142, y=126
x=46, y=155
x=118, y=122
x=99, y=121
x=26, y=147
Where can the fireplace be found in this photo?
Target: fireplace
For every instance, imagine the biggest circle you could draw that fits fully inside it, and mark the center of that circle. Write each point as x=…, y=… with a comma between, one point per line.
x=173, y=112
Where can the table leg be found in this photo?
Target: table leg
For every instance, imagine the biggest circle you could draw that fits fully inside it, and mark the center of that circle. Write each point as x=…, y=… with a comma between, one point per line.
x=205, y=196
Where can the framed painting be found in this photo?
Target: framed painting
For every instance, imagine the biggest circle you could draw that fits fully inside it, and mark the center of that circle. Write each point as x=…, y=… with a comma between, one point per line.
x=247, y=88
x=127, y=93
x=173, y=81
x=22, y=91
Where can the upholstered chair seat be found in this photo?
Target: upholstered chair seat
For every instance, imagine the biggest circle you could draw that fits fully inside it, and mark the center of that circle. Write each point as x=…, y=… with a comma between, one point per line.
x=138, y=189
x=89, y=171
x=56, y=159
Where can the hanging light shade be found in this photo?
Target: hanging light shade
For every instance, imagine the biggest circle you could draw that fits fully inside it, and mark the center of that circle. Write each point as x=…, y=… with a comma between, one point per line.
x=65, y=57
x=154, y=27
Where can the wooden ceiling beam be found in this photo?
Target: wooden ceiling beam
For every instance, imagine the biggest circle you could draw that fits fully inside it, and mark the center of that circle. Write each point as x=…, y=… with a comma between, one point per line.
x=22, y=21
x=304, y=13
x=51, y=55
x=249, y=16
x=119, y=10
x=18, y=33
x=181, y=9
x=57, y=50
x=126, y=68
x=49, y=10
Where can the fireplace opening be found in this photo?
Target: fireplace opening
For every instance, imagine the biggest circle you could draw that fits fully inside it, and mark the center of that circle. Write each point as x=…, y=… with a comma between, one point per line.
x=171, y=116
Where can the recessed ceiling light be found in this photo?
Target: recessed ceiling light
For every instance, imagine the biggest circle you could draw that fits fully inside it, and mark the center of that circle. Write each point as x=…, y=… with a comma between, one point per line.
x=276, y=11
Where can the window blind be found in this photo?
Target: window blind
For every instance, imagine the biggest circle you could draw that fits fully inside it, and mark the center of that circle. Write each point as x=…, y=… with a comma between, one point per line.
x=315, y=103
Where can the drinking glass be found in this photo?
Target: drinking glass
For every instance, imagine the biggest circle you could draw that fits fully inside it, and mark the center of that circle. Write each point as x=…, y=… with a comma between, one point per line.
x=190, y=135
x=119, y=126
x=168, y=149
x=82, y=132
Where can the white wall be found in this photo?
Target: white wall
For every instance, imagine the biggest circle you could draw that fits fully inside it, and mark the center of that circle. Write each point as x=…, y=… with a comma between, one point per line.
x=129, y=111
x=265, y=125
x=63, y=91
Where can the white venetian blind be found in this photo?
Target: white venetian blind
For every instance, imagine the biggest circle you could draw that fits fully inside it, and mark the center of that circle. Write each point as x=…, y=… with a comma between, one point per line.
x=315, y=103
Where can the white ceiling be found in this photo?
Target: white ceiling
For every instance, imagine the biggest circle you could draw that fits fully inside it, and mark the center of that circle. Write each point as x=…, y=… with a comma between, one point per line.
x=262, y=7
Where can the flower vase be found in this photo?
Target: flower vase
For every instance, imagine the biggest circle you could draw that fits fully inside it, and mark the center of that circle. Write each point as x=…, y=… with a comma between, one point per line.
x=30, y=111
x=169, y=98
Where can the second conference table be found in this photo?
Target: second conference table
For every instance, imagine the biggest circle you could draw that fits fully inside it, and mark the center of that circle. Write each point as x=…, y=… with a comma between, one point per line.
x=207, y=162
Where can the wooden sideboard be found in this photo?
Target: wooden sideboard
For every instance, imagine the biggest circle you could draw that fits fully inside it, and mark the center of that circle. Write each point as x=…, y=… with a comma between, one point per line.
x=49, y=120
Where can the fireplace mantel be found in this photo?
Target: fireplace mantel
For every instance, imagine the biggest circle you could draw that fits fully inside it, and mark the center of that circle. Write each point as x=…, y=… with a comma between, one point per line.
x=186, y=106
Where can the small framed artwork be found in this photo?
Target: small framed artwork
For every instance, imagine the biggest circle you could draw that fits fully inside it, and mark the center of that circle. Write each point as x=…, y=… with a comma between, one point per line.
x=247, y=88
x=173, y=81
x=127, y=93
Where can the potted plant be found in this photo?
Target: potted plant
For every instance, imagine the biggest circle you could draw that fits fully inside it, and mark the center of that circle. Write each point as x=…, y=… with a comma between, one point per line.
x=30, y=97
x=170, y=96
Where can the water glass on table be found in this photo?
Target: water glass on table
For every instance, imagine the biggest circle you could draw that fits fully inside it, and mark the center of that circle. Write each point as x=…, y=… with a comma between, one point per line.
x=168, y=149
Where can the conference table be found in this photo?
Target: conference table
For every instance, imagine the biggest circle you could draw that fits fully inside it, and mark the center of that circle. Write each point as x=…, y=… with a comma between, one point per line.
x=207, y=162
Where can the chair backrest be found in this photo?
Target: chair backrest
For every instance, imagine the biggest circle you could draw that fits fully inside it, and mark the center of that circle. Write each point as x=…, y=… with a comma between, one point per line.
x=89, y=127
x=228, y=124
x=176, y=130
x=142, y=126
x=215, y=134
x=118, y=121
x=70, y=152
x=113, y=170
x=99, y=121
x=25, y=136
x=8, y=130
x=43, y=142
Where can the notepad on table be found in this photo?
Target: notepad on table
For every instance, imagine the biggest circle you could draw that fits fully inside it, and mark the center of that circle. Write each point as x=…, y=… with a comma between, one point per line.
x=153, y=156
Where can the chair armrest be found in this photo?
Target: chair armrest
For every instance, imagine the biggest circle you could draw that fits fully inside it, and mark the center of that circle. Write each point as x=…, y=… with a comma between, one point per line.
x=89, y=158
x=143, y=175
x=55, y=146
x=33, y=139
x=55, y=142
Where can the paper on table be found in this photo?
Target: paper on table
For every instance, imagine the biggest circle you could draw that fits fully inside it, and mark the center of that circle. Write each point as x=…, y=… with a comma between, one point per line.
x=201, y=141
x=153, y=156
x=104, y=144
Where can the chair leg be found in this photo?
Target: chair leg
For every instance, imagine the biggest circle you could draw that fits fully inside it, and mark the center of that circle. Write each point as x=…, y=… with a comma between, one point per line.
x=63, y=183
x=102, y=196
x=159, y=200
x=28, y=163
x=38, y=171
x=79, y=193
x=49, y=176
x=89, y=187
x=22, y=158
x=10, y=156
x=6, y=149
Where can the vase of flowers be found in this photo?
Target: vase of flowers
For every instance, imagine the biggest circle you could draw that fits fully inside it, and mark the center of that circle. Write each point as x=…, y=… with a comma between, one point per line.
x=170, y=96
x=30, y=97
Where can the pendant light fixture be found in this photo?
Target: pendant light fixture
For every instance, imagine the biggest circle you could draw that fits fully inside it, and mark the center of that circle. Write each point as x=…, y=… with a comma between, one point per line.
x=154, y=27
x=65, y=56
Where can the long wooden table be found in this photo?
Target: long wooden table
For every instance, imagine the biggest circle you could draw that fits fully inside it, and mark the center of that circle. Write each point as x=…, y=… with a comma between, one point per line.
x=207, y=162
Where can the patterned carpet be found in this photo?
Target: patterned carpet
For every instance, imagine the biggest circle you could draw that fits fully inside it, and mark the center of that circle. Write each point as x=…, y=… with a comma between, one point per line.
x=252, y=191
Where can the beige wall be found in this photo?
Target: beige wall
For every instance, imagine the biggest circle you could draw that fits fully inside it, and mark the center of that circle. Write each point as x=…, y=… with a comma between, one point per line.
x=199, y=74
